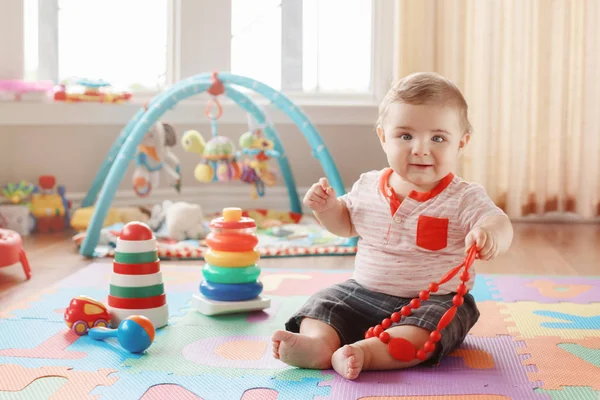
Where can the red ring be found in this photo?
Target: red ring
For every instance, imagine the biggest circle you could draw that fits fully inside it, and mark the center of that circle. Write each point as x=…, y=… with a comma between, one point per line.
x=140, y=303
x=233, y=243
x=136, y=269
x=244, y=222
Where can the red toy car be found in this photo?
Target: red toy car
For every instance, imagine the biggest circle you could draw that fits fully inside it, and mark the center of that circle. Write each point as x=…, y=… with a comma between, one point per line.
x=84, y=313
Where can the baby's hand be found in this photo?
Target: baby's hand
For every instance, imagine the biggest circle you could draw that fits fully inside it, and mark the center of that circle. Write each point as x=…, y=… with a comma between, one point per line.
x=485, y=241
x=320, y=197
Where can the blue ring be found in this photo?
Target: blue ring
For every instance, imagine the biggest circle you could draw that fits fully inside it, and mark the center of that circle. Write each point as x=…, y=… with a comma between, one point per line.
x=230, y=292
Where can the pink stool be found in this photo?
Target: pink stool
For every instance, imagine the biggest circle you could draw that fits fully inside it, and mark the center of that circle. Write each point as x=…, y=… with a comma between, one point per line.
x=11, y=251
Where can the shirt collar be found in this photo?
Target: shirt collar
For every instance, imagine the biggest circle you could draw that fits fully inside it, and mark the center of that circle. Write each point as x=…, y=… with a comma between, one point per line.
x=389, y=192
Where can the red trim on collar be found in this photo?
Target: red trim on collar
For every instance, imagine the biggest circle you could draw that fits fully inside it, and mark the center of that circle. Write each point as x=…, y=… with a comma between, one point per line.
x=389, y=192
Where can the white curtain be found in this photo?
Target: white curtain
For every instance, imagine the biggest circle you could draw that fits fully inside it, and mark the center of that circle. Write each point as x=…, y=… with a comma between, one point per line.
x=530, y=71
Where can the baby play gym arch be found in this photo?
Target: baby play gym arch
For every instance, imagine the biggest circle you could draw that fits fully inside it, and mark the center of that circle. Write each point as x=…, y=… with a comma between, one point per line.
x=124, y=148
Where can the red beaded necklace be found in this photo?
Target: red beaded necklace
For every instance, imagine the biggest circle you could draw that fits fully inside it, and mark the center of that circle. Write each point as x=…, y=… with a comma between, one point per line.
x=403, y=350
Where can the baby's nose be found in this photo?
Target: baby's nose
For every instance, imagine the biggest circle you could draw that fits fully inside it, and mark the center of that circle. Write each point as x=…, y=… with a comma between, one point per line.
x=420, y=148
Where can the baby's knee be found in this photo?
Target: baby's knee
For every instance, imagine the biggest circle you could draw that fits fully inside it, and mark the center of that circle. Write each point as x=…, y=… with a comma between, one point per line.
x=415, y=339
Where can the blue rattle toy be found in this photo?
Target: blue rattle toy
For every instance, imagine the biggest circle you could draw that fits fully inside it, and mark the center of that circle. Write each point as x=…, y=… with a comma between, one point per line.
x=135, y=334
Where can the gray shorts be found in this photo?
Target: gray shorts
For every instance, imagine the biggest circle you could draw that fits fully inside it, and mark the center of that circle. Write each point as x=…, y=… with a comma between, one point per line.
x=351, y=309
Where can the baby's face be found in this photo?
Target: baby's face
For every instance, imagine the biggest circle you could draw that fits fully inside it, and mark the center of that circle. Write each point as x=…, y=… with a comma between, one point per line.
x=422, y=142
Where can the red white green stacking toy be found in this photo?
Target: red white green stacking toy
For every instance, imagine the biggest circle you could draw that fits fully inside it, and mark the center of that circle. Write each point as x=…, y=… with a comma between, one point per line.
x=231, y=271
x=136, y=285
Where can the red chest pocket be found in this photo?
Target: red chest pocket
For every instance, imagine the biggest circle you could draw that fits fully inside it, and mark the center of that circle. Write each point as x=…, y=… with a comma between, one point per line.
x=432, y=232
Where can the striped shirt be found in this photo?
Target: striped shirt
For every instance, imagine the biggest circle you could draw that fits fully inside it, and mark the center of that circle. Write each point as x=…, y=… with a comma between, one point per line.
x=405, y=245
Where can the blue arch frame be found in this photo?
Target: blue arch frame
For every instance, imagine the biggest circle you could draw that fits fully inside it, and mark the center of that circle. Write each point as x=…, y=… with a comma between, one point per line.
x=121, y=153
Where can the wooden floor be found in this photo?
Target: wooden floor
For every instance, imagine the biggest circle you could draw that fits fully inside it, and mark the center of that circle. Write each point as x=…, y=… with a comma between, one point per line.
x=538, y=249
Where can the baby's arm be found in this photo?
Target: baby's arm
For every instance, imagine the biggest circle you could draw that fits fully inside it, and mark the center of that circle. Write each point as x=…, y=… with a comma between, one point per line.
x=492, y=237
x=331, y=212
x=485, y=224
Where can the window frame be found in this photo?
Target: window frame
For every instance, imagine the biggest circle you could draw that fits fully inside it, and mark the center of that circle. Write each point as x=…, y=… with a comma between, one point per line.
x=186, y=57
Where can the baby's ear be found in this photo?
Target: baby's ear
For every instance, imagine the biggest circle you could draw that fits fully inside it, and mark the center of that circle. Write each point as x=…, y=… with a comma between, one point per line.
x=380, y=134
x=464, y=140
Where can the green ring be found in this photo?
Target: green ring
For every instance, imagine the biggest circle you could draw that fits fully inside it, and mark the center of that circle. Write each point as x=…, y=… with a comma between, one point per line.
x=137, y=292
x=136, y=258
x=230, y=275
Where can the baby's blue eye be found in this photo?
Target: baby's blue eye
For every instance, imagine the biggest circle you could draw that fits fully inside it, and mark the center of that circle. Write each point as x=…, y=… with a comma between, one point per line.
x=438, y=139
x=406, y=136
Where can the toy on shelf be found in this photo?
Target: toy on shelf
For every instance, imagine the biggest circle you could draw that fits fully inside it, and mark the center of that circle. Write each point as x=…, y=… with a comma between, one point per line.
x=84, y=313
x=114, y=167
x=19, y=90
x=135, y=333
x=256, y=170
x=136, y=284
x=87, y=90
x=403, y=350
x=15, y=209
x=50, y=208
x=153, y=155
x=12, y=252
x=231, y=271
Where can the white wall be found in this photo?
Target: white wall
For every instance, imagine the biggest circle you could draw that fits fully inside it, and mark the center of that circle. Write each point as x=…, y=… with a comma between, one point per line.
x=74, y=153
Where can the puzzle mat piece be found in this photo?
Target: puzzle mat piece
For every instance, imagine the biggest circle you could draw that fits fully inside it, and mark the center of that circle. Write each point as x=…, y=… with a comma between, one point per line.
x=169, y=391
x=441, y=397
x=491, y=321
x=567, y=320
x=35, y=344
x=24, y=304
x=548, y=289
x=41, y=388
x=177, y=352
x=210, y=386
x=557, y=366
x=274, y=317
x=508, y=377
x=79, y=384
x=572, y=393
x=484, y=289
x=299, y=283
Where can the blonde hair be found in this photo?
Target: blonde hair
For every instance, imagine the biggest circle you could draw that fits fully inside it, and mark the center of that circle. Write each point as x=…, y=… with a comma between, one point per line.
x=426, y=88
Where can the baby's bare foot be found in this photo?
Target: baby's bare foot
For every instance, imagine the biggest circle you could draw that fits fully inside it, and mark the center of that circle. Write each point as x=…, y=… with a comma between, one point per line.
x=300, y=350
x=348, y=361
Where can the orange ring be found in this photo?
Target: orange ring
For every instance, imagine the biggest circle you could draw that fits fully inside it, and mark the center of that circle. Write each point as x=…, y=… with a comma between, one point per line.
x=231, y=243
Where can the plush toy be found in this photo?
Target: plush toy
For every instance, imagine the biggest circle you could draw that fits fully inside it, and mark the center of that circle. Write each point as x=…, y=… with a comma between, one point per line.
x=178, y=221
x=257, y=170
x=153, y=155
x=218, y=157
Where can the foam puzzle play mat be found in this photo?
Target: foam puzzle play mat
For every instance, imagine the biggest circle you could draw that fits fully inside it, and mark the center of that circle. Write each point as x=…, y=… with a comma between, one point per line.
x=537, y=338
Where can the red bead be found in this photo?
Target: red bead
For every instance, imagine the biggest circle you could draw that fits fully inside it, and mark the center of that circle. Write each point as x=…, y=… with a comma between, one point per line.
x=377, y=331
x=384, y=337
x=446, y=318
x=424, y=295
x=461, y=289
x=369, y=333
x=433, y=287
x=396, y=317
x=386, y=323
x=415, y=303
x=458, y=300
x=429, y=346
x=401, y=349
x=464, y=276
x=136, y=231
x=406, y=311
x=435, y=336
x=421, y=355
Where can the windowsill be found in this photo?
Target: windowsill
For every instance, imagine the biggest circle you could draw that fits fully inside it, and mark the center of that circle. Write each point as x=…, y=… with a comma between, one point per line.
x=320, y=111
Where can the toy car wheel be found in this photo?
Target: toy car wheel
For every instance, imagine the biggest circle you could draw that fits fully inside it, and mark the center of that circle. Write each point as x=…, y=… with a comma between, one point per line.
x=102, y=323
x=80, y=327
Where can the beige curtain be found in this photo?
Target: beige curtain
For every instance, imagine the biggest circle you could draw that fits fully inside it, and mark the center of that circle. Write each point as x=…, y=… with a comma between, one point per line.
x=530, y=71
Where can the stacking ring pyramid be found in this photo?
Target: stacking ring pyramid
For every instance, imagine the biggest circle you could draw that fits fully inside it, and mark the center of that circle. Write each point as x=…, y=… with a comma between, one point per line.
x=231, y=271
x=136, y=284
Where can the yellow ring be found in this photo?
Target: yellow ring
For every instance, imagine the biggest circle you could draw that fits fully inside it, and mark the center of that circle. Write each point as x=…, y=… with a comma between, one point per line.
x=230, y=259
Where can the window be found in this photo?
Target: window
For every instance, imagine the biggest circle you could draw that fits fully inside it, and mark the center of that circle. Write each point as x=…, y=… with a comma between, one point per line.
x=121, y=42
x=312, y=46
x=305, y=48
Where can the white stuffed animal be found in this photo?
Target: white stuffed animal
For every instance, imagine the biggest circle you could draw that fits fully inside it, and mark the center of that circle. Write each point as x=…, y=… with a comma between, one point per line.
x=185, y=221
